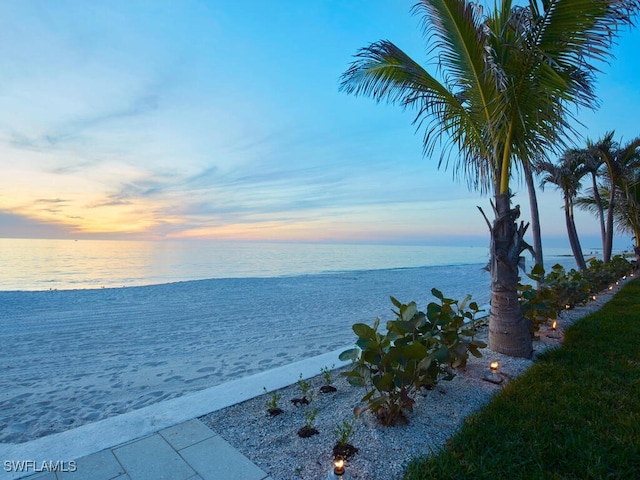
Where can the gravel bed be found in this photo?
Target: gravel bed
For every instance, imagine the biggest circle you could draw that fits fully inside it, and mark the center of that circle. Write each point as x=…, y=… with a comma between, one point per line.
x=273, y=444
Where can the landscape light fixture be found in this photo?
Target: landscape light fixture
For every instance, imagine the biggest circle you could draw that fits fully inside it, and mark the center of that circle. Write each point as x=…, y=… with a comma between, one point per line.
x=493, y=376
x=553, y=334
x=338, y=472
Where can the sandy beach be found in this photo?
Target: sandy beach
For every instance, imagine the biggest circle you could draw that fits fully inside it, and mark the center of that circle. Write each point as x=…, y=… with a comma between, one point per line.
x=74, y=357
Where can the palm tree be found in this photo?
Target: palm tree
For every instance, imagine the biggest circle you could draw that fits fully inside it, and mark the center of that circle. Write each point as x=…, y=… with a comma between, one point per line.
x=619, y=193
x=505, y=95
x=620, y=161
x=566, y=175
x=628, y=218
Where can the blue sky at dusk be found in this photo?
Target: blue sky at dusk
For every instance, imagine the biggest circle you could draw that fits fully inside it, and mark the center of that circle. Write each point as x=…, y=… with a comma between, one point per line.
x=223, y=120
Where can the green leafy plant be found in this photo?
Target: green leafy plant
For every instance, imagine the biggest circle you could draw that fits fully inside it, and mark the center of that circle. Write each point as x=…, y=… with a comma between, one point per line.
x=310, y=415
x=344, y=432
x=560, y=289
x=538, y=304
x=458, y=327
x=305, y=388
x=326, y=374
x=308, y=430
x=411, y=354
x=272, y=403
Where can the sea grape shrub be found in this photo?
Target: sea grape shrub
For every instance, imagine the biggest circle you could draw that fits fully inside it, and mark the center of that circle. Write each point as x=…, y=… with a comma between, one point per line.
x=561, y=289
x=571, y=288
x=457, y=326
x=538, y=305
x=415, y=352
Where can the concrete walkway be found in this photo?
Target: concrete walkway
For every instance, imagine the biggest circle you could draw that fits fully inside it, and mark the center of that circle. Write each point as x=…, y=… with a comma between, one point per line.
x=161, y=441
x=189, y=451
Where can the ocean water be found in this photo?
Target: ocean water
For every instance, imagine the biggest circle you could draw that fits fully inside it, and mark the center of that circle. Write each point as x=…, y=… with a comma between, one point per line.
x=34, y=264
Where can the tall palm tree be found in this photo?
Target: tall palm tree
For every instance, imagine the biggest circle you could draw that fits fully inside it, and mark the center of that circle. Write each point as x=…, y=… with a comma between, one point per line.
x=620, y=161
x=626, y=214
x=566, y=175
x=508, y=82
x=628, y=218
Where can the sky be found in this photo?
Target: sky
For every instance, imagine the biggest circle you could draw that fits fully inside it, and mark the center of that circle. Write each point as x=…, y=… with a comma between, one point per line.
x=218, y=119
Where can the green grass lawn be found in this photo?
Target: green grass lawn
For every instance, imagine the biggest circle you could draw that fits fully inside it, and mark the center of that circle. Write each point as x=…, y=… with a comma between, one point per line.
x=574, y=415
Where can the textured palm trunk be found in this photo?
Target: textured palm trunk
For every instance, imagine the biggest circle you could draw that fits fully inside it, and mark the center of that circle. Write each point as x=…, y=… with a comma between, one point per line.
x=535, y=216
x=574, y=241
x=509, y=331
x=608, y=245
x=598, y=200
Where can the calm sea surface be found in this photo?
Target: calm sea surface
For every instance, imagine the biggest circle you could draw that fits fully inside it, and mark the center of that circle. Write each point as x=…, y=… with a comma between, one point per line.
x=68, y=264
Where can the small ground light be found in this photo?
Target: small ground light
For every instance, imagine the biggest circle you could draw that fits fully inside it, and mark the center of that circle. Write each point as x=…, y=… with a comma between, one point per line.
x=624, y=277
x=338, y=472
x=553, y=333
x=610, y=287
x=567, y=307
x=593, y=297
x=494, y=376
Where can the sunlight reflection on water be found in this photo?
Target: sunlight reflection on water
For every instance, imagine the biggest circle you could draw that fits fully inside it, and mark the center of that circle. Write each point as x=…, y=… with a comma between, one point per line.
x=67, y=264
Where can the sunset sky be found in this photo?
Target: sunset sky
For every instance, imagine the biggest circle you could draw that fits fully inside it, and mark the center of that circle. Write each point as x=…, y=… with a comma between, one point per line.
x=223, y=120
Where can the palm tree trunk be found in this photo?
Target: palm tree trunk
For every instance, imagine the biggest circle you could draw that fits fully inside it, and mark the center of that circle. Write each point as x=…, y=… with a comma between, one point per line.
x=598, y=200
x=572, y=232
x=608, y=244
x=535, y=216
x=509, y=331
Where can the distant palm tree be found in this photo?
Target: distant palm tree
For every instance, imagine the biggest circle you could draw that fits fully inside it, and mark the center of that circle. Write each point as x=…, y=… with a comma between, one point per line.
x=508, y=81
x=566, y=175
x=618, y=193
x=620, y=161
